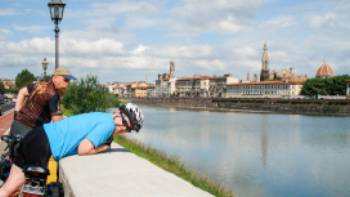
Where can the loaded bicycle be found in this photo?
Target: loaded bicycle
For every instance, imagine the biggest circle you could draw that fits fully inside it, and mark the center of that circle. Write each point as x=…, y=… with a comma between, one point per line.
x=35, y=183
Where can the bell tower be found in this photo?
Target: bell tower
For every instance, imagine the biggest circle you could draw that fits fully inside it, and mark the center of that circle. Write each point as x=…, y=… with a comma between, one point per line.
x=172, y=70
x=265, y=72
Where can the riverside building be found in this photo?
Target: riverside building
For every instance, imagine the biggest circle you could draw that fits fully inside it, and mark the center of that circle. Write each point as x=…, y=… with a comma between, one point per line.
x=165, y=84
x=348, y=88
x=267, y=89
x=203, y=86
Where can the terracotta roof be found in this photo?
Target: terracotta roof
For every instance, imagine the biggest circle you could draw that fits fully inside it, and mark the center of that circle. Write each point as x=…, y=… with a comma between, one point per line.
x=268, y=83
x=325, y=70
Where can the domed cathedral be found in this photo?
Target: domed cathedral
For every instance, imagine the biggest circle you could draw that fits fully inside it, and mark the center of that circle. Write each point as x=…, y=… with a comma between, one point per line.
x=325, y=71
x=265, y=72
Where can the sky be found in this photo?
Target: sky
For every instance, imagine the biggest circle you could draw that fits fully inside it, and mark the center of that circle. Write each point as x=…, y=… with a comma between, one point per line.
x=134, y=40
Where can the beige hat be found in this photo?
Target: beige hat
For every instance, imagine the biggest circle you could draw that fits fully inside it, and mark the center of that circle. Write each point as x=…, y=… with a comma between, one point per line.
x=63, y=71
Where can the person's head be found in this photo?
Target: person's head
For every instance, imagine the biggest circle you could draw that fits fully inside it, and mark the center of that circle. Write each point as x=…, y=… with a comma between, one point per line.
x=128, y=117
x=61, y=78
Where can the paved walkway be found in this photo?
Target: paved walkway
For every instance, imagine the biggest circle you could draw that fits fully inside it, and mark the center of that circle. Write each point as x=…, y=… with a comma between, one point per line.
x=6, y=121
x=120, y=173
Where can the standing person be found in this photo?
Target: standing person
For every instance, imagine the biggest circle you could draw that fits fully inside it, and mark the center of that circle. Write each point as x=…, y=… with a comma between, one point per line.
x=39, y=103
x=84, y=134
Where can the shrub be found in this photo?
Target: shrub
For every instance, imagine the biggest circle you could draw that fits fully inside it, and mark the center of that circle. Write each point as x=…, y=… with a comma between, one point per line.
x=87, y=95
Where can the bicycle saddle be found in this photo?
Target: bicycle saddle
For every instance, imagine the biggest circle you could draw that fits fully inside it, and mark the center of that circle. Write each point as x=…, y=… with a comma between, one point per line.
x=36, y=171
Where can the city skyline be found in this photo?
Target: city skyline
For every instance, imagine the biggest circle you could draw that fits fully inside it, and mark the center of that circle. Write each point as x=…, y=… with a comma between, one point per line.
x=135, y=40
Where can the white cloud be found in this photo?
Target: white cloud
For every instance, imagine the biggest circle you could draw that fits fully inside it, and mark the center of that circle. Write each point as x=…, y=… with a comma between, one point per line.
x=31, y=29
x=185, y=52
x=27, y=47
x=280, y=22
x=209, y=64
x=231, y=24
x=199, y=35
x=123, y=7
x=322, y=20
x=7, y=11
x=139, y=50
x=100, y=47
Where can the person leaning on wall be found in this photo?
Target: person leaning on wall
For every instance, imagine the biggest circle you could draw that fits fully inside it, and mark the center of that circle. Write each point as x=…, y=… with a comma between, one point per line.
x=39, y=103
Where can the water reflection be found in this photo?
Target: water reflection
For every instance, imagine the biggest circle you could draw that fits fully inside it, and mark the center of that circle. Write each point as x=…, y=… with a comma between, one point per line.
x=256, y=154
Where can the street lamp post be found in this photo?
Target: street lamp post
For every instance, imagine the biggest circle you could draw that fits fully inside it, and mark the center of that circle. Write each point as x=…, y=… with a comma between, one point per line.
x=56, y=11
x=45, y=63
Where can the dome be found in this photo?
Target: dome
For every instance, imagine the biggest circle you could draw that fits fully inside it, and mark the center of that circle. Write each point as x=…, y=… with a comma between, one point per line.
x=325, y=70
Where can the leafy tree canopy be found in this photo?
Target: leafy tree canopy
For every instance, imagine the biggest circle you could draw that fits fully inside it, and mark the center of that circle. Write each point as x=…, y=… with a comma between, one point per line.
x=24, y=78
x=2, y=88
x=325, y=86
x=87, y=95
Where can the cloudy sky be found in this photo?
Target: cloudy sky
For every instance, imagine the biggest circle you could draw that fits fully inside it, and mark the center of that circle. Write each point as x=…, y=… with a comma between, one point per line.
x=135, y=40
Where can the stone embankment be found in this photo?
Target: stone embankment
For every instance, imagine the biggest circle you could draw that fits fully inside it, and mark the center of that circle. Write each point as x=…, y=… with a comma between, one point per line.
x=120, y=173
x=294, y=106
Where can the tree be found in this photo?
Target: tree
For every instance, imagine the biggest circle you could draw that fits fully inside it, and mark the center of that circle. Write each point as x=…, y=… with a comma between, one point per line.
x=87, y=95
x=325, y=86
x=24, y=78
x=2, y=88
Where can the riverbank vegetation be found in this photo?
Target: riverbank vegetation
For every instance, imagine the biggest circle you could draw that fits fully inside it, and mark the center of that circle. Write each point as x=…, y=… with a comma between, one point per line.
x=87, y=95
x=172, y=165
x=325, y=86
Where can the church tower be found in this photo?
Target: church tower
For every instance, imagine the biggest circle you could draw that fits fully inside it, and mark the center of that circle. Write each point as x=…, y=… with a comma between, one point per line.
x=265, y=73
x=172, y=70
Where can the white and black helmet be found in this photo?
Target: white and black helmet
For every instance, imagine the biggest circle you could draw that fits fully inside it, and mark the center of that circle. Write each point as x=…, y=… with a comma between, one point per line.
x=135, y=115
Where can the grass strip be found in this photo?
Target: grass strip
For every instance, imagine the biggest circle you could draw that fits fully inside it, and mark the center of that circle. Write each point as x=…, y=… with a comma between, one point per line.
x=172, y=165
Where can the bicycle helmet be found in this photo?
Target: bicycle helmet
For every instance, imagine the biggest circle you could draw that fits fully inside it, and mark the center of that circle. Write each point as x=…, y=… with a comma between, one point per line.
x=135, y=115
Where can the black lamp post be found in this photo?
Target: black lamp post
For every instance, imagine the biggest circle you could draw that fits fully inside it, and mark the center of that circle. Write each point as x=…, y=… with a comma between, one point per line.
x=56, y=11
x=45, y=63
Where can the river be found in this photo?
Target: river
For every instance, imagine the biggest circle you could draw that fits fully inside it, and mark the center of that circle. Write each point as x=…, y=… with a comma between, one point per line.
x=256, y=154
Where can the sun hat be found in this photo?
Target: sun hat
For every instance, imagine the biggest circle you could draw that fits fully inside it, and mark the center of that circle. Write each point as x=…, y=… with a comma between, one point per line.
x=63, y=71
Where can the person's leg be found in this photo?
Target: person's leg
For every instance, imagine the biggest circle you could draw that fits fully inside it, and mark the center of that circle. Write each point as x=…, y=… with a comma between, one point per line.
x=15, y=180
x=33, y=150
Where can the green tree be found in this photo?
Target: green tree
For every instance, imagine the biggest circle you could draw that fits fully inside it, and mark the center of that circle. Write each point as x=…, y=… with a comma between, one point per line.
x=87, y=95
x=24, y=78
x=2, y=88
x=325, y=86
x=337, y=86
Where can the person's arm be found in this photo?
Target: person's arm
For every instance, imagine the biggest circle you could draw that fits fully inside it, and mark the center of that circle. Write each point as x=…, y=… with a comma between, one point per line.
x=22, y=94
x=56, y=117
x=55, y=112
x=87, y=148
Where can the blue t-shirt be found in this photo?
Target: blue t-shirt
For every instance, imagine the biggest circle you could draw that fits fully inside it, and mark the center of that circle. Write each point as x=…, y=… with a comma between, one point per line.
x=65, y=135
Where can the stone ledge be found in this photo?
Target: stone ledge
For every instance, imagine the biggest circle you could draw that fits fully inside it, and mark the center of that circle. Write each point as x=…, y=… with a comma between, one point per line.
x=120, y=173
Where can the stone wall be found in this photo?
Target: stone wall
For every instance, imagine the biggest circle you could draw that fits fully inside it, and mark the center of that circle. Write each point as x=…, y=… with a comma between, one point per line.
x=295, y=106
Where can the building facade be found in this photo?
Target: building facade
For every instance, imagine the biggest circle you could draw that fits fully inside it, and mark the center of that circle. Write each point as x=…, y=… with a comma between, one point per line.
x=8, y=83
x=348, y=88
x=138, y=89
x=165, y=84
x=218, y=85
x=118, y=89
x=203, y=86
x=265, y=89
x=192, y=86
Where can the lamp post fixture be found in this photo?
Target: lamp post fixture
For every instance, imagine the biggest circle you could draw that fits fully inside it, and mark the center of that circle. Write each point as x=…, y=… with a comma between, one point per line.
x=56, y=11
x=45, y=63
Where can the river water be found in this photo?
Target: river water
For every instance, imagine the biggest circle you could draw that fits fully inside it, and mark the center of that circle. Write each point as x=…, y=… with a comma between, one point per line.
x=256, y=154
